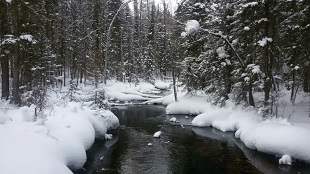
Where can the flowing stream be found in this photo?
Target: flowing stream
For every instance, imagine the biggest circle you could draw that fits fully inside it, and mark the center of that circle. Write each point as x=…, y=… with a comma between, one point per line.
x=179, y=150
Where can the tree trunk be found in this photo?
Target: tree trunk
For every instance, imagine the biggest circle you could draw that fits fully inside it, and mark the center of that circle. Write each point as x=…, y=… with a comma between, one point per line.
x=174, y=86
x=267, y=80
x=306, y=79
x=251, y=98
x=15, y=53
x=5, y=78
x=5, y=75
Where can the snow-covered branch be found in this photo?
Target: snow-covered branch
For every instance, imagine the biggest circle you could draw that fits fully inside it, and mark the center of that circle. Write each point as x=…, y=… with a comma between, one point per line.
x=224, y=38
x=193, y=25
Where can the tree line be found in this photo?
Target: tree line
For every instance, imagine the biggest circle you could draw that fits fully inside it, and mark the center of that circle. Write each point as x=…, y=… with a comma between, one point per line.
x=46, y=43
x=242, y=47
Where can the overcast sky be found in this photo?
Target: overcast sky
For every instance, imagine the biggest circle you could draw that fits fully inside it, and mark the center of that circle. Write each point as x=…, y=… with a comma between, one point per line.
x=172, y=4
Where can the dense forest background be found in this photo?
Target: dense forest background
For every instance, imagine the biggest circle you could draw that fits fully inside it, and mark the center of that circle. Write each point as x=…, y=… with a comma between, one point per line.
x=242, y=47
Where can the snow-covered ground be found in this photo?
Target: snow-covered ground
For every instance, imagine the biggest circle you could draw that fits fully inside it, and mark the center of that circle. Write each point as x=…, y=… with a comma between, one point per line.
x=57, y=140
x=118, y=91
x=284, y=137
x=52, y=145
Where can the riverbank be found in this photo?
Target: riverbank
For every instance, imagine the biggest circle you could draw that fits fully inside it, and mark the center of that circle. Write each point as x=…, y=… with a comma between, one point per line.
x=56, y=139
x=178, y=150
x=285, y=137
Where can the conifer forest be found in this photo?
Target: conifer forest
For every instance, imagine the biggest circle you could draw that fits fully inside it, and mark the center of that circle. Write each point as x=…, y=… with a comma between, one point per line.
x=241, y=47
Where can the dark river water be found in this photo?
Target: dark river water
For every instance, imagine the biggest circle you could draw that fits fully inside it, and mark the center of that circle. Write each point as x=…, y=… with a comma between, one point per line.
x=179, y=149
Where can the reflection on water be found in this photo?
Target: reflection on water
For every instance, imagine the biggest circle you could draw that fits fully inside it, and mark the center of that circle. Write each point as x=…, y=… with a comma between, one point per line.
x=179, y=150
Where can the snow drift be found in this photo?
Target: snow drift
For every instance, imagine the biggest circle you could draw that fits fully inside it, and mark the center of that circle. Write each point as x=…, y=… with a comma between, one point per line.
x=54, y=145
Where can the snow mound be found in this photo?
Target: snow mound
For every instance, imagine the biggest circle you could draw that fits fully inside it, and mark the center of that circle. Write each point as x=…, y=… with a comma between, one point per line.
x=278, y=137
x=52, y=145
x=132, y=92
x=166, y=100
x=28, y=113
x=192, y=105
x=162, y=85
x=286, y=159
x=4, y=118
x=116, y=95
x=214, y=115
x=272, y=136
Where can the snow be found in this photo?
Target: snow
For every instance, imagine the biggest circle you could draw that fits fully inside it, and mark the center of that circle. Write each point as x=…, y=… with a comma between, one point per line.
x=247, y=79
x=57, y=142
x=250, y=4
x=168, y=99
x=108, y=136
x=256, y=69
x=190, y=27
x=188, y=104
x=54, y=144
x=264, y=41
x=8, y=1
x=4, y=118
x=285, y=159
x=157, y=134
x=296, y=68
x=173, y=119
x=234, y=42
x=27, y=37
x=221, y=53
x=200, y=5
x=162, y=85
x=116, y=95
x=8, y=39
x=149, y=144
x=246, y=28
x=207, y=118
x=276, y=136
x=132, y=92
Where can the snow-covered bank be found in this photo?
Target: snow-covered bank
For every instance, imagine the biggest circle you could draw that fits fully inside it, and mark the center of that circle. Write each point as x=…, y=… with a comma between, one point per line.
x=52, y=145
x=273, y=136
x=162, y=85
x=168, y=99
x=119, y=91
x=57, y=141
x=188, y=104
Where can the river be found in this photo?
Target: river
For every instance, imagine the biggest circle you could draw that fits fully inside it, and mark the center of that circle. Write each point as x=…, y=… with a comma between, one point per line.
x=179, y=150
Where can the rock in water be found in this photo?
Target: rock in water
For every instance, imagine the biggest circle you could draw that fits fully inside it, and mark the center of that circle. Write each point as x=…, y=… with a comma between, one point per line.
x=173, y=119
x=157, y=134
x=286, y=159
